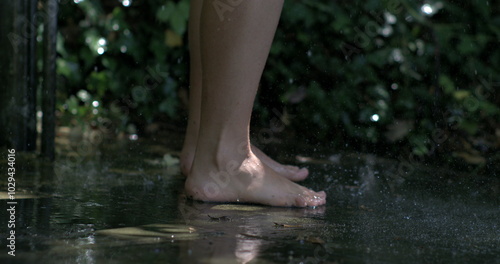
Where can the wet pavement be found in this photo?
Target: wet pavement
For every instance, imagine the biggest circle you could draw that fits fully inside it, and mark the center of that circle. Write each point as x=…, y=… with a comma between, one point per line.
x=124, y=203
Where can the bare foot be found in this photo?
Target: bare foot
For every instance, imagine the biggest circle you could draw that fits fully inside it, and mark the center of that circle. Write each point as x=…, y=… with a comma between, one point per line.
x=248, y=181
x=290, y=172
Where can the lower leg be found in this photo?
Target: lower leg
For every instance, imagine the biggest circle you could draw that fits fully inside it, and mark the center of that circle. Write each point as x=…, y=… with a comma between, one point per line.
x=195, y=71
x=234, y=52
x=189, y=147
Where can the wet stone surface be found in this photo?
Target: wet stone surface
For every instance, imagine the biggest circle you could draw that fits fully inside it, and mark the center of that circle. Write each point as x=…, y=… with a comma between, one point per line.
x=124, y=203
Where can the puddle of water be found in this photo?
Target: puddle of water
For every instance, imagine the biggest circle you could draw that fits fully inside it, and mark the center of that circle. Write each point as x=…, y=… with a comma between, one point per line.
x=125, y=204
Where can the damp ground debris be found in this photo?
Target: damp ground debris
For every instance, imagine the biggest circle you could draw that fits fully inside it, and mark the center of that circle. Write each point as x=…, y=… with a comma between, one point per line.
x=124, y=203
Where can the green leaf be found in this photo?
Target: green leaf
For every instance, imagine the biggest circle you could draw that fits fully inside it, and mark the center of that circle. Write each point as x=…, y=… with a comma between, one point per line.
x=470, y=127
x=164, y=13
x=183, y=8
x=447, y=84
x=168, y=106
x=178, y=22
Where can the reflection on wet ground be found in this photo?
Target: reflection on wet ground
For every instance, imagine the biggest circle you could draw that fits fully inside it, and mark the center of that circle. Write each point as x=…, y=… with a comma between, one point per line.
x=124, y=203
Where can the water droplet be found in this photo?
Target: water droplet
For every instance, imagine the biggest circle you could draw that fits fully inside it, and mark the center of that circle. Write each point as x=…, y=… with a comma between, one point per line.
x=102, y=42
x=390, y=18
x=386, y=31
x=397, y=55
x=427, y=9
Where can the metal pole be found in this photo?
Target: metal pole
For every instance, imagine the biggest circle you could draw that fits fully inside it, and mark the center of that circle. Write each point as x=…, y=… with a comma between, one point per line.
x=7, y=95
x=49, y=79
x=20, y=75
x=32, y=83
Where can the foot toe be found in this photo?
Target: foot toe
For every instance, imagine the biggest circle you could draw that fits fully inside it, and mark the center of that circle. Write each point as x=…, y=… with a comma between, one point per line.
x=292, y=168
x=301, y=201
x=299, y=174
x=316, y=201
x=321, y=194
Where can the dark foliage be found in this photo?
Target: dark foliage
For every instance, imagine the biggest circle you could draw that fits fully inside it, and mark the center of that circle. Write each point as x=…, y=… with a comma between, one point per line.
x=388, y=77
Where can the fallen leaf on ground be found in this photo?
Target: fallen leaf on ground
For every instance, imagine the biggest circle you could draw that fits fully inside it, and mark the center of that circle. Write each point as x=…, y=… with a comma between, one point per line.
x=471, y=158
x=285, y=225
x=222, y=218
x=253, y=236
x=362, y=207
x=237, y=207
x=170, y=160
x=125, y=171
x=315, y=240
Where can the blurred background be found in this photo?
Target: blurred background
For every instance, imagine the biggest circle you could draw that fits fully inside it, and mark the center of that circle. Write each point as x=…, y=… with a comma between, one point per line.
x=407, y=80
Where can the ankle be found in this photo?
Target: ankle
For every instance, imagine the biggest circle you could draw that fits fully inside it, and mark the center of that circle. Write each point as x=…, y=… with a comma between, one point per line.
x=221, y=156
